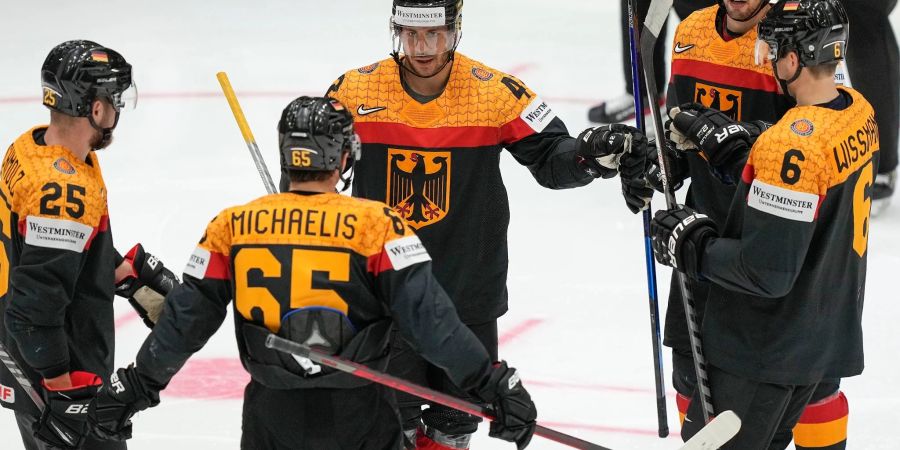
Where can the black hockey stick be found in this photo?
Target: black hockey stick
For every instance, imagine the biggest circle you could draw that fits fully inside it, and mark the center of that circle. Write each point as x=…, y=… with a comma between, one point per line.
x=13, y=367
x=661, y=415
x=361, y=371
x=656, y=16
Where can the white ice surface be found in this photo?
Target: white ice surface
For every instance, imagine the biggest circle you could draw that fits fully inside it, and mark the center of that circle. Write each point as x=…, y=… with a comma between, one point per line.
x=576, y=257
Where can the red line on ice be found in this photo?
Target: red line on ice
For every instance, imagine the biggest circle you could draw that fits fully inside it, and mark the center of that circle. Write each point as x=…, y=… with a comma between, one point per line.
x=608, y=429
x=517, y=331
x=125, y=319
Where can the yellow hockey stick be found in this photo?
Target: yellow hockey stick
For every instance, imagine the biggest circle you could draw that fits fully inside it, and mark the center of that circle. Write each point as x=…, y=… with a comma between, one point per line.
x=245, y=131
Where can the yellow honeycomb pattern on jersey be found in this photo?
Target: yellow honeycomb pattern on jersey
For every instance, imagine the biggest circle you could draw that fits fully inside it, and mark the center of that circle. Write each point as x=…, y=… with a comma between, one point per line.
x=30, y=172
x=699, y=30
x=372, y=227
x=829, y=128
x=468, y=100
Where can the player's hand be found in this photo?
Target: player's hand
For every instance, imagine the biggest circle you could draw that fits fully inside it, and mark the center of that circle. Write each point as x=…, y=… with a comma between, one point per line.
x=516, y=415
x=719, y=139
x=146, y=285
x=600, y=151
x=677, y=165
x=111, y=411
x=679, y=238
x=63, y=423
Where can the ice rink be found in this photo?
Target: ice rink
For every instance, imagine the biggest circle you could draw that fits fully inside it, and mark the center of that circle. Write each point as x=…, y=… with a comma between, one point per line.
x=578, y=328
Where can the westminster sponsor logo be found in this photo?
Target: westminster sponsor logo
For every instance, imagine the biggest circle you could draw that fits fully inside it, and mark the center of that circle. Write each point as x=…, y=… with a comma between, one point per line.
x=406, y=251
x=61, y=234
x=781, y=202
x=420, y=17
x=538, y=115
x=197, y=263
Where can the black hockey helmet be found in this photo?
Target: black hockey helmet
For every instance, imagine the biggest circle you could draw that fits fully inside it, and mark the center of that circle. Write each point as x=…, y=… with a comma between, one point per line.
x=816, y=29
x=426, y=13
x=78, y=72
x=314, y=133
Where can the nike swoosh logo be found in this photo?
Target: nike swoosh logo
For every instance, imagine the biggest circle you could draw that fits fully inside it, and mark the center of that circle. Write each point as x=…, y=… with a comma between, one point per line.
x=363, y=111
x=680, y=49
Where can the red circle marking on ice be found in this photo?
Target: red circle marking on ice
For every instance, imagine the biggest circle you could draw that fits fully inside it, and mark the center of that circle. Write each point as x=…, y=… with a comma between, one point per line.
x=209, y=379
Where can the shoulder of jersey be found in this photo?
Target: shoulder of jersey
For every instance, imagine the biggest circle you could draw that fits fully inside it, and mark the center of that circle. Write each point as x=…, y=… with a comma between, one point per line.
x=30, y=169
x=474, y=74
x=697, y=23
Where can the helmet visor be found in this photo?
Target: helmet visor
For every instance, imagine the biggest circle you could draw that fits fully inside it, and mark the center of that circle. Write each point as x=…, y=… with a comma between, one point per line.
x=423, y=41
x=766, y=52
x=125, y=100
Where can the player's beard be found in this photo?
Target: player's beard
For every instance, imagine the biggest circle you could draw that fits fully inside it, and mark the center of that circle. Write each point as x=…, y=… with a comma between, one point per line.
x=743, y=11
x=430, y=68
x=98, y=142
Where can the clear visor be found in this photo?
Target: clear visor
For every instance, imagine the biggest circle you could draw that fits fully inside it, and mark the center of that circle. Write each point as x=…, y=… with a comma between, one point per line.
x=355, y=146
x=423, y=41
x=125, y=100
x=766, y=52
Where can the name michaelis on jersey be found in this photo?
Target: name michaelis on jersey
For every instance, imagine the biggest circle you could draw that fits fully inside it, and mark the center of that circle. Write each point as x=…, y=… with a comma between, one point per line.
x=294, y=221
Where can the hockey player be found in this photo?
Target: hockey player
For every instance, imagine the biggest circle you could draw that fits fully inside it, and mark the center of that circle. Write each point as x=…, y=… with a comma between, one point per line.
x=433, y=123
x=775, y=325
x=59, y=268
x=328, y=271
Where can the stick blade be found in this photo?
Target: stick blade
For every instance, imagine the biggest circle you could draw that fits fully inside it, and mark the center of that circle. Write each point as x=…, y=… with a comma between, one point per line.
x=656, y=16
x=716, y=433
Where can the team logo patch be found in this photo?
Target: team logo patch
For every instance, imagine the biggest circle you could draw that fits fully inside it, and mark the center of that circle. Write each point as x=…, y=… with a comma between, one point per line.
x=64, y=166
x=726, y=100
x=482, y=74
x=418, y=186
x=802, y=127
x=368, y=69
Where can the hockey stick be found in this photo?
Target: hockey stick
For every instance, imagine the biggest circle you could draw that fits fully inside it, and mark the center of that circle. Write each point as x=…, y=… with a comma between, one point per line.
x=20, y=377
x=245, y=131
x=361, y=371
x=656, y=16
x=661, y=416
x=712, y=436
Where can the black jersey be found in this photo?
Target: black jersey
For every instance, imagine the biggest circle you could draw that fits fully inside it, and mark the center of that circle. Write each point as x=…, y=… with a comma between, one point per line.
x=57, y=265
x=719, y=71
x=437, y=165
x=789, y=268
x=312, y=258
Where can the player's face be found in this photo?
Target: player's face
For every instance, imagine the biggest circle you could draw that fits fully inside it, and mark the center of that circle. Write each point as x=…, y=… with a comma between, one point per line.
x=426, y=48
x=742, y=9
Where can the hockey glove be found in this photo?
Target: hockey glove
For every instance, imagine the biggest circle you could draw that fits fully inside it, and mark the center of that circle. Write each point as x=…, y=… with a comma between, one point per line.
x=111, y=411
x=677, y=165
x=721, y=140
x=147, y=285
x=679, y=238
x=63, y=423
x=599, y=150
x=516, y=415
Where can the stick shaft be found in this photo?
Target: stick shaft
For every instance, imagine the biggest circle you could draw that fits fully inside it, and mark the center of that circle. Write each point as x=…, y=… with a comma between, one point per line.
x=245, y=132
x=659, y=383
x=20, y=377
x=361, y=371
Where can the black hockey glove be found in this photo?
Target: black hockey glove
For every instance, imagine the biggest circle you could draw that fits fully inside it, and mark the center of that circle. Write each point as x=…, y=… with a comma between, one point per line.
x=516, y=415
x=111, y=411
x=63, y=423
x=677, y=165
x=721, y=140
x=148, y=284
x=599, y=150
x=679, y=238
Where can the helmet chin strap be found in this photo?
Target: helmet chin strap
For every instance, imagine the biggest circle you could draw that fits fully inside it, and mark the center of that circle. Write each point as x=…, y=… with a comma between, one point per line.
x=784, y=83
x=105, y=133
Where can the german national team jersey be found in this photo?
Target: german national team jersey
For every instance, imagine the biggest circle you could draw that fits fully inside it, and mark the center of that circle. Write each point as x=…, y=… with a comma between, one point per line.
x=437, y=165
x=57, y=269
x=720, y=74
x=324, y=270
x=789, y=268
